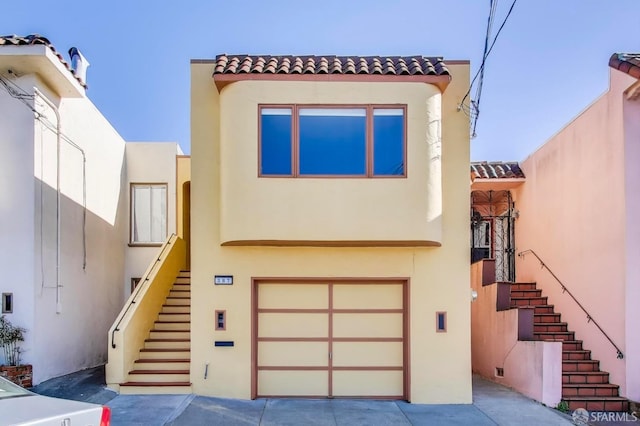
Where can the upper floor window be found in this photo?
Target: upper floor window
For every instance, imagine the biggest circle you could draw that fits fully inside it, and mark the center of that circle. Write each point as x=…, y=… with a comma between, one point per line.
x=148, y=213
x=366, y=141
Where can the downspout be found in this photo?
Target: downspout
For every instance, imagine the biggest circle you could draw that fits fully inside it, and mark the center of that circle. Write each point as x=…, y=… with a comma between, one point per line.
x=58, y=196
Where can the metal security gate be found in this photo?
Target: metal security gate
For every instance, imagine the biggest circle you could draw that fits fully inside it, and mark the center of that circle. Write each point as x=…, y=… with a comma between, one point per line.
x=493, y=231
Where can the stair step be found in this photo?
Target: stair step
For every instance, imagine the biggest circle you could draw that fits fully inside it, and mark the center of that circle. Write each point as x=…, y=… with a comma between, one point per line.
x=180, y=293
x=585, y=377
x=572, y=345
x=549, y=326
x=178, y=309
x=554, y=335
x=580, y=366
x=595, y=403
x=158, y=376
x=592, y=389
x=546, y=318
x=177, y=301
x=174, y=316
x=576, y=355
x=167, y=344
x=162, y=364
x=182, y=280
x=523, y=286
x=164, y=354
x=543, y=309
x=525, y=293
x=172, y=325
x=529, y=301
x=156, y=334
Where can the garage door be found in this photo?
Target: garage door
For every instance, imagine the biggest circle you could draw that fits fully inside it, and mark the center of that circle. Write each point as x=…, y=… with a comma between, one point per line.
x=314, y=338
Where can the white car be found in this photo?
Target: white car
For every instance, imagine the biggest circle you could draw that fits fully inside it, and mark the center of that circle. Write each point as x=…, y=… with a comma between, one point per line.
x=19, y=407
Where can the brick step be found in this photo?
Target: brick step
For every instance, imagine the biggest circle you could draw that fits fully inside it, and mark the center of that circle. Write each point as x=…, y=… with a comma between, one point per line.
x=576, y=355
x=167, y=344
x=572, y=345
x=545, y=318
x=544, y=309
x=529, y=301
x=580, y=366
x=549, y=326
x=595, y=403
x=585, y=377
x=523, y=286
x=554, y=335
x=593, y=389
x=172, y=325
x=525, y=293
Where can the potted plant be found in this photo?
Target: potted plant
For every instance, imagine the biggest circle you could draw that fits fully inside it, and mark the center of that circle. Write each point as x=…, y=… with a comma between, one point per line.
x=13, y=369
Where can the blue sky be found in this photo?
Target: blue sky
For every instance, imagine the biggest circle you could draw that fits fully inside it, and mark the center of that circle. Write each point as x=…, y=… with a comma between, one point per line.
x=549, y=63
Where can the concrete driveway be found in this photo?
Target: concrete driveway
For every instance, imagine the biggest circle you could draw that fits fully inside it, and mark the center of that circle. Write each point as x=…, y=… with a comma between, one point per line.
x=492, y=405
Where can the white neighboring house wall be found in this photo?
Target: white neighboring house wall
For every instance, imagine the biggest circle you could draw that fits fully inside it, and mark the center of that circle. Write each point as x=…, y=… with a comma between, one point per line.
x=149, y=163
x=67, y=298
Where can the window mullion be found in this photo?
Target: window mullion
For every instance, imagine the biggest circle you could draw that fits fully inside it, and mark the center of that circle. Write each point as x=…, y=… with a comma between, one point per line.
x=369, y=141
x=295, y=140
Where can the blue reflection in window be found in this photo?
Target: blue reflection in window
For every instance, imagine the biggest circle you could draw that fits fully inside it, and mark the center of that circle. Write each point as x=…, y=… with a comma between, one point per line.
x=275, y=126
x=332, y=141
x=388, y=142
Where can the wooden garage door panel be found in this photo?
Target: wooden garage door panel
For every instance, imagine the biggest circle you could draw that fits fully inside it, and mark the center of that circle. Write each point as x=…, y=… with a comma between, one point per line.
x=379, y=383
x=367, y=325
x=362, y=296
x=297, y=354
x=293, y=325
x=293, y=383
x=293, y=296
x=367, y=354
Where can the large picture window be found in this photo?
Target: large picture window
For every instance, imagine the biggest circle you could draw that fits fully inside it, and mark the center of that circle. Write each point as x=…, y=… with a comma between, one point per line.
x=148, y=213
x=299, y=141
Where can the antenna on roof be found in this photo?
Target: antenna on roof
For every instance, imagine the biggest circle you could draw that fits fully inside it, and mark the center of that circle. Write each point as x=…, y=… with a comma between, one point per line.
x=79, y=64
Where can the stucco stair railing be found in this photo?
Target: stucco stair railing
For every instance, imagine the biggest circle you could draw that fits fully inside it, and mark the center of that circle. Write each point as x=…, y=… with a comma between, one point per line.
x=130, y=333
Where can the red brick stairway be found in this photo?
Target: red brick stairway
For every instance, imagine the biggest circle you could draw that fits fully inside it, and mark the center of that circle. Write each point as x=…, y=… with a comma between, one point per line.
x=584, y=385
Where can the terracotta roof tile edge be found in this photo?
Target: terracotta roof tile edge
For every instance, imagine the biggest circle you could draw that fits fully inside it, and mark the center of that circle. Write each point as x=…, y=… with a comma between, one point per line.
x=619, y=62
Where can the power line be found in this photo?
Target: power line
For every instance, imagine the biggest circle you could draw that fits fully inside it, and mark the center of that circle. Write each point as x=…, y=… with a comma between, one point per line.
x=474, y=105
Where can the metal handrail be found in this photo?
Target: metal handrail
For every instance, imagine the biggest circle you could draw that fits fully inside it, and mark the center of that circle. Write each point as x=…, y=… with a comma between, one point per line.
x=139, y=287
x=620, y=355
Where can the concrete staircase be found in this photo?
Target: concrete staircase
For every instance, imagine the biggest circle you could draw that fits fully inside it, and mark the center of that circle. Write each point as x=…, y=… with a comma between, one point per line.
x=163, y=366
x=584, y=385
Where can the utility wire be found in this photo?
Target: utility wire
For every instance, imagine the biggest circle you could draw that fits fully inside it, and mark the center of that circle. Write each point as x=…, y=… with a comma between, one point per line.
x=474, y=105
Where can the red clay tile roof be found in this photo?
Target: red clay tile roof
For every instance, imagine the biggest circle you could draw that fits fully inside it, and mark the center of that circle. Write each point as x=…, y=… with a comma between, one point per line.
x=372, y=65
x=34, y=39
x=626, y=62
x=496, y=170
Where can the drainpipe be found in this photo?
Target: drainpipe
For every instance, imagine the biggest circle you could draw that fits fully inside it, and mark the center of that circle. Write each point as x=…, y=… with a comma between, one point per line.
x=58, y=196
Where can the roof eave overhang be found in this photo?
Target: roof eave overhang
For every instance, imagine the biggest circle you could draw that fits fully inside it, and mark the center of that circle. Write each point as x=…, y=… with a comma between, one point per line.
x=496, y=184
x=441, y=81
x=40, y=60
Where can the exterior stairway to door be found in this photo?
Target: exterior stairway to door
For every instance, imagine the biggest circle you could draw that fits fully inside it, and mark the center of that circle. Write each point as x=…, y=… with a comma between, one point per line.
x=584, y=385
x=163, y=365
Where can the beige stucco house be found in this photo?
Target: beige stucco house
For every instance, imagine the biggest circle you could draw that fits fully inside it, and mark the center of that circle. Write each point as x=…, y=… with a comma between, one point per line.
x=563, y=226
x=327, y=237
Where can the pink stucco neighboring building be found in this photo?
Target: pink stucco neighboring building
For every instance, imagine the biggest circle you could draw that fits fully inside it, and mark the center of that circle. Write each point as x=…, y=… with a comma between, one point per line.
x=578, y=209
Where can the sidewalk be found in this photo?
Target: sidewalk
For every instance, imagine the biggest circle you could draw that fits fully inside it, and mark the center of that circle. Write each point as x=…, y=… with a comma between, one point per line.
x=493, y=405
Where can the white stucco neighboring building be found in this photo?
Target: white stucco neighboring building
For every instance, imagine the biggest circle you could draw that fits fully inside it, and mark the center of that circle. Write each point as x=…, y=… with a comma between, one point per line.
x=65, y=248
